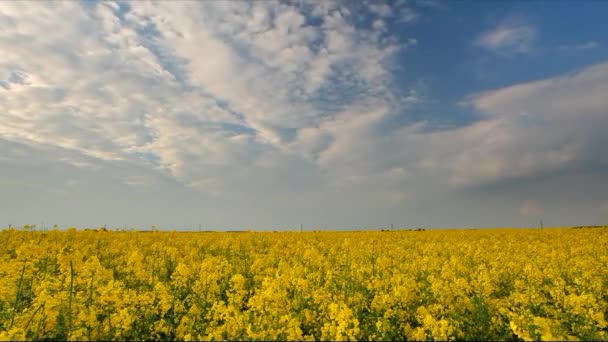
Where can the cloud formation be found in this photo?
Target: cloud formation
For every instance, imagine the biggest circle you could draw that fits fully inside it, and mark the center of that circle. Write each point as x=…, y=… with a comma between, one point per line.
x=526, y=129
x=265, y=105
x=192, y=88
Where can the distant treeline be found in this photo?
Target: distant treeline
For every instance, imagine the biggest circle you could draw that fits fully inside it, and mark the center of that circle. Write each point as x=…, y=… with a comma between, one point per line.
x=403, y=230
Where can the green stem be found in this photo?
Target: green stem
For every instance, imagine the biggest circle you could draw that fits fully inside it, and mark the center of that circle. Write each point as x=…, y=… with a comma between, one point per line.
x=38, y=330
x=70, y=300
x=18, y=295
x=90, y=301
x=32, y=318
x=110, y=324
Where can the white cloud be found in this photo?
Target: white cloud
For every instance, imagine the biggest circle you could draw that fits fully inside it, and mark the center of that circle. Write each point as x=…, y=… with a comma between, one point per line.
x=407, y=15
x=190, y=88
x=509, y=37
x=333, y=58
x=381, y=9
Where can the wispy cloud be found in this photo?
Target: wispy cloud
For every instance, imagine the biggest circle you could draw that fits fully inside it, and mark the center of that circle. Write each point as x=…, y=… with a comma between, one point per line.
x=509, y=37
x=590, y=45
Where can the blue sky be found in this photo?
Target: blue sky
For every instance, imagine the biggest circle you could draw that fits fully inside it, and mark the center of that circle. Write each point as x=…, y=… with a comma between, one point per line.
x=338, y=115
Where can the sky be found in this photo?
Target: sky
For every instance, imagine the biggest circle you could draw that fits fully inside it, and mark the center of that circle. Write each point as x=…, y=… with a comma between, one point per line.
x=269, y=115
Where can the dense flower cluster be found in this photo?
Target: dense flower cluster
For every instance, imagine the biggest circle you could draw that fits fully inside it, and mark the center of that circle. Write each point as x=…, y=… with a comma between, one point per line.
x=549, y=284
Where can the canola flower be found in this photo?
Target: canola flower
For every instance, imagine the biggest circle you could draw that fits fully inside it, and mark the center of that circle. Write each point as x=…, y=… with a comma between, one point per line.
x=518, y=284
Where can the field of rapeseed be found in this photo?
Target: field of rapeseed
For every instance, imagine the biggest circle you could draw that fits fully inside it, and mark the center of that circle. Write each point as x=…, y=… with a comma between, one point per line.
x=549, y=284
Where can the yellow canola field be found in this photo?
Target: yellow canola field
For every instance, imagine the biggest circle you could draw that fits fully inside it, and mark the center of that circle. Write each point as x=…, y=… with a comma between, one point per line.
x=549, y=284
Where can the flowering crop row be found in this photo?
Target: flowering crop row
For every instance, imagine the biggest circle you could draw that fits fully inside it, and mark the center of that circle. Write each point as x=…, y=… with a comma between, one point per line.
x=549, y=284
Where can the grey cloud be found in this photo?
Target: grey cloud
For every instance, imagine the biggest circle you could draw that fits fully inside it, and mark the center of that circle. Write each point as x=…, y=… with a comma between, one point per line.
x=525, y=129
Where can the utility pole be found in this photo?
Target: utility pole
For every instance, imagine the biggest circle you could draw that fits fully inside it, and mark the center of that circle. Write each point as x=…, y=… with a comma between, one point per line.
x=301, y=227
x=392, y=227
x=541, y=223
x=199, y=227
